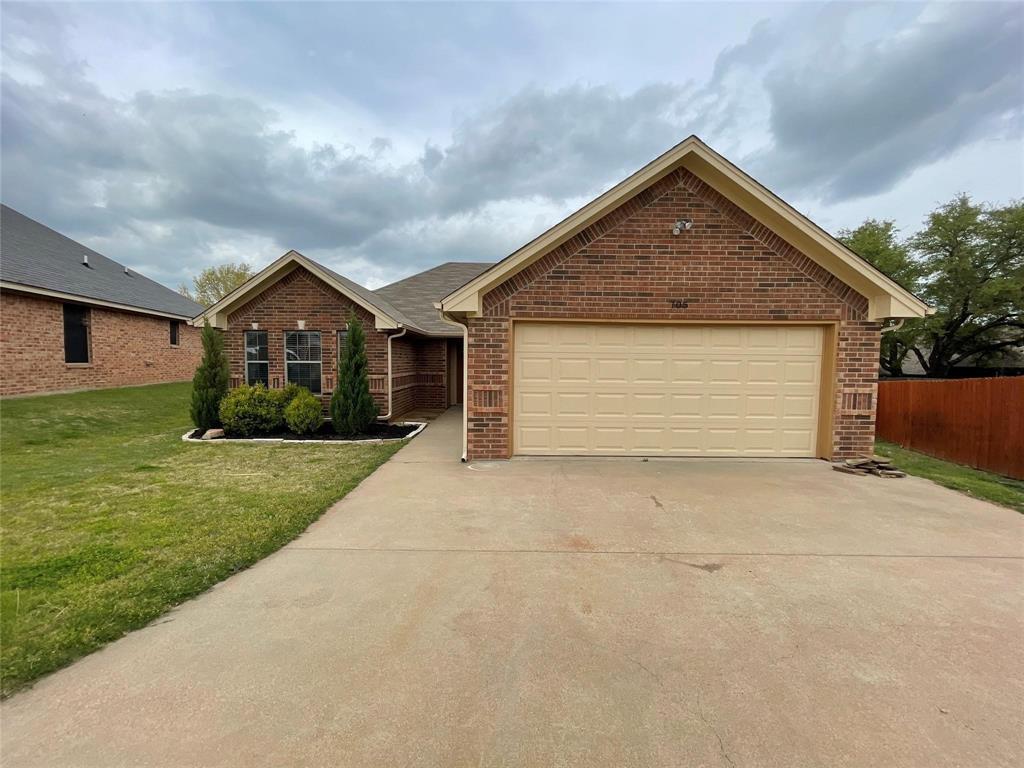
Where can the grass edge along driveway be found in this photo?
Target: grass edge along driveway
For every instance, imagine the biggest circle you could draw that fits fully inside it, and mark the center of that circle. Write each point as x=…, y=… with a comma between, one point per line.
x=1004, y=491
x=109, y=519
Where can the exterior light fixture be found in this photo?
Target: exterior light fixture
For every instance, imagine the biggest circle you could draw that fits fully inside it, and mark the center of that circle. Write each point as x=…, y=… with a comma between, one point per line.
x=682, y=224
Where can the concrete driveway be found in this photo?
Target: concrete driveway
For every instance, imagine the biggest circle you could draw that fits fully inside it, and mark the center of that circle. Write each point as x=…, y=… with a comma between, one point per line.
x=578, y=612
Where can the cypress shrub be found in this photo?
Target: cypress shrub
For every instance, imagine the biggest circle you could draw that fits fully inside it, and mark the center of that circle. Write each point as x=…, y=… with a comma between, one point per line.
x=210, y=383
x=352, y=407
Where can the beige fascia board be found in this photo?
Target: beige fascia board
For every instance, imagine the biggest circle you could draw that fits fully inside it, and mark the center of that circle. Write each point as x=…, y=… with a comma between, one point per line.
x=803, y=235
x=79, y=299
x=282, y=267
x=746, y=193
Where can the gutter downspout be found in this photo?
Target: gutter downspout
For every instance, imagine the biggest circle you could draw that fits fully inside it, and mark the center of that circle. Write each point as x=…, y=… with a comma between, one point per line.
x=465, y=380
x=391, y=383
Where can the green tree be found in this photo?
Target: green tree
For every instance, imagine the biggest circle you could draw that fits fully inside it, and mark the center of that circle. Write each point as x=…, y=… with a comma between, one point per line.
x=214, y=283
x=972, y=262
x=352, y=406
x=877, y=243
x=210, y=383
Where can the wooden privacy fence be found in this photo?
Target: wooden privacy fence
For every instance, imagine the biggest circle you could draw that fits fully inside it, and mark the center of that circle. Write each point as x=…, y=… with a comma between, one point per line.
x=978, y=422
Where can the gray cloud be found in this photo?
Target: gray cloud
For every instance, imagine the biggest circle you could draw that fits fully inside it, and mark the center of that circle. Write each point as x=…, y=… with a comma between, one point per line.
x=557, y=144
x=854, y=121
x=171, y=180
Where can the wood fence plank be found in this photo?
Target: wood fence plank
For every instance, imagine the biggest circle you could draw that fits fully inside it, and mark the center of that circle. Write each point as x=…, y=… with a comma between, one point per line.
x=978, y=422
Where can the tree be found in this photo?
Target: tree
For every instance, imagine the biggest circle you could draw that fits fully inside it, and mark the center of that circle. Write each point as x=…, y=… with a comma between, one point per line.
x=210, y=383
x=352, y=407
x=968, y=262
x=972, y=261
x=876, y=242
x=214, y=283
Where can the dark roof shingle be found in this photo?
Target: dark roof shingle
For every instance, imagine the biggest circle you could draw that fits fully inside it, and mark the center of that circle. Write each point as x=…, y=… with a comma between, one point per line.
x=415, y=295
x=33, y=255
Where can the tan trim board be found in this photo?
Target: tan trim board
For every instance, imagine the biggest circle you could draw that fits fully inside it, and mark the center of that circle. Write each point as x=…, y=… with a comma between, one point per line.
x=78, y=299
x=827, y=405
x=668, y=321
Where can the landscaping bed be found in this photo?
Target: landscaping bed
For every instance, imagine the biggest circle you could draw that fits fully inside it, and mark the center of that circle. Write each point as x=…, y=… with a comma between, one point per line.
x=379, y=432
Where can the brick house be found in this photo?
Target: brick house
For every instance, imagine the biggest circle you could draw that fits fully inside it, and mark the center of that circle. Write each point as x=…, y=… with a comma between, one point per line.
x=287, y=324
x=687, y=311
x=70, y=318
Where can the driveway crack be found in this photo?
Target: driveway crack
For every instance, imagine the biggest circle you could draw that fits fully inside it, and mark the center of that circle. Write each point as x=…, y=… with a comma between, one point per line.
x=711, y=727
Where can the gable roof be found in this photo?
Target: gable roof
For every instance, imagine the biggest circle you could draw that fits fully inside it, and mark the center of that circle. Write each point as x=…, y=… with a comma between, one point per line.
x=416, y=295
x=886, y=298
x=40, y=260
x=386, y=315
x=408, y=303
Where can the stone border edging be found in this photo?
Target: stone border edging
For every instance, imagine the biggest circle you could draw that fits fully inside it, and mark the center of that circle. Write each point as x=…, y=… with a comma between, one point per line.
x=375, y=441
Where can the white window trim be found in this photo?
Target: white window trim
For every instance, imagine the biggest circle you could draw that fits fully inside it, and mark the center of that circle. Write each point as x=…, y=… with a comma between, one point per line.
x=245, y=355
x=319, y=362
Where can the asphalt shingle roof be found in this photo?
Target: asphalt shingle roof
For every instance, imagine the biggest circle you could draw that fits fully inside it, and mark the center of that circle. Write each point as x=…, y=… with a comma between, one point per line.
x=371, y=298
x=32, y=254
x=415, y=296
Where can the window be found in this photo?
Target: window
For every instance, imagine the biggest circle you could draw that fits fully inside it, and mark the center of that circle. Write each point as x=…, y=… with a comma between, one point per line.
x=76, y=334
x=257, y=363
x=302, y=359
x=342, y=341
x=174, y=333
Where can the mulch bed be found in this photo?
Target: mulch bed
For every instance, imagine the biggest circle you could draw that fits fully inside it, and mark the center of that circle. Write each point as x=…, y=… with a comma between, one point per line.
x=378, y=431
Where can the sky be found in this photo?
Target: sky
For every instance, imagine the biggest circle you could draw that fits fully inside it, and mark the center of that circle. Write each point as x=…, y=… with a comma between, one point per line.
x=382, y=139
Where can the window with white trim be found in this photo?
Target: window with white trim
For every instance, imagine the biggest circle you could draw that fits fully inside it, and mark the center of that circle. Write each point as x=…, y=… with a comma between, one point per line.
x=257, y=361
x=302, y=359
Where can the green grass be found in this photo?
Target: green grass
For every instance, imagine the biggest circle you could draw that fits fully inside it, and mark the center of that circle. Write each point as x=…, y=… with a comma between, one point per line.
x=109, y=519
x=974, y=482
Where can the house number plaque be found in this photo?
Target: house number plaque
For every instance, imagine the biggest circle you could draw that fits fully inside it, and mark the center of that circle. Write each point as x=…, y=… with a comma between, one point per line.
x=678, y=303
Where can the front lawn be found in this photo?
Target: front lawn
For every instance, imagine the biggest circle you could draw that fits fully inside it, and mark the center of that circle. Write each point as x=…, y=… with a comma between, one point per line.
x=975, y=482
x=109, y=519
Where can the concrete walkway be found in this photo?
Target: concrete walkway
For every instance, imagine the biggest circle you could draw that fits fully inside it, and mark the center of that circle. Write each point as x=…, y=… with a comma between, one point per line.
x=578, y=613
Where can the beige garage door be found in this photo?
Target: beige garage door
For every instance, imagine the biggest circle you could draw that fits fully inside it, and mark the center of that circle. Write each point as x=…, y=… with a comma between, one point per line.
x=675, y=390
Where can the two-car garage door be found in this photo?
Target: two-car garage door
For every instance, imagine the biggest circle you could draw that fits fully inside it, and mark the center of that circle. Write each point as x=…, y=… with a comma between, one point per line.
x=674, y=390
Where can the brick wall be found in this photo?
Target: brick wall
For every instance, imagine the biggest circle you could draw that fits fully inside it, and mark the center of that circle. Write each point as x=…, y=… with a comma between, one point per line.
x=628, y=266
x=403, y=369
x=431, y=366
x=300, y=295
x=125, y=348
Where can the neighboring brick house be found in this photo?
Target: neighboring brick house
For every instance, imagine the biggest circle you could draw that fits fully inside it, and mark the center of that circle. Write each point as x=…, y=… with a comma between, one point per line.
x=70, y=318
x=287, y=323
x=687, y=311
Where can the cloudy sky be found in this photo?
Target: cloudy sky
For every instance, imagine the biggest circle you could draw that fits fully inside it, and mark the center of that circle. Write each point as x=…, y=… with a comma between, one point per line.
x=382, y=139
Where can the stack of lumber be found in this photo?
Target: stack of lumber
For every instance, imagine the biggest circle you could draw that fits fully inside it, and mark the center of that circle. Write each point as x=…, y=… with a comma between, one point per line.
x=869, y=465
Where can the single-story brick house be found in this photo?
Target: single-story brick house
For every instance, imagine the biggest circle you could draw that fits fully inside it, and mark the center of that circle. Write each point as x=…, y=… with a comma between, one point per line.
x=70, y=318
x=687, y=311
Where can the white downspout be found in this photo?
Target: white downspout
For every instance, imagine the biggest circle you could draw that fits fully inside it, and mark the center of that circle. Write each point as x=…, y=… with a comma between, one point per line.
x=391, y=383
x=465, y=380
